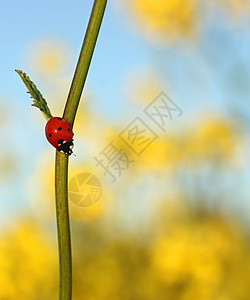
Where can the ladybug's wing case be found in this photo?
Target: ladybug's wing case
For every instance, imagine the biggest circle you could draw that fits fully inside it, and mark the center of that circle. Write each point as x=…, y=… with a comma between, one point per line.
x=58, y=129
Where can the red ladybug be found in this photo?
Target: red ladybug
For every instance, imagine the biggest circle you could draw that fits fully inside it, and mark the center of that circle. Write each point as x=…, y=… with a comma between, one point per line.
x=59, y=133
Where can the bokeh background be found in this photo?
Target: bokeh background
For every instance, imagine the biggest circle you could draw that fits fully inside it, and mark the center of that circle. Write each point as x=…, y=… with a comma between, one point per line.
x=174, y=224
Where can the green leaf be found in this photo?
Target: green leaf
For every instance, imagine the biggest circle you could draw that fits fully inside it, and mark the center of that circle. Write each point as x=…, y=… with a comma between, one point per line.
x=37, y=97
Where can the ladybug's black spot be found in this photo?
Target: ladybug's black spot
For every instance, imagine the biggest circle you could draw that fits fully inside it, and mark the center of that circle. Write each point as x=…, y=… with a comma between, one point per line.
x=68, y=129
x=59, y=128
x=59, y=119
x=50, y=135
x=60, y=141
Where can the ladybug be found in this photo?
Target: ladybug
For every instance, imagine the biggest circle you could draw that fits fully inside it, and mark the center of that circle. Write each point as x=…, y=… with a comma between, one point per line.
x=59, y=133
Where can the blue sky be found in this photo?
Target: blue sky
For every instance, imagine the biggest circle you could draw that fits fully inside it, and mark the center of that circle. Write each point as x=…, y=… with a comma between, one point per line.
x=66, y=21
x=212, y=74
x=118, y=51
x=23, y=23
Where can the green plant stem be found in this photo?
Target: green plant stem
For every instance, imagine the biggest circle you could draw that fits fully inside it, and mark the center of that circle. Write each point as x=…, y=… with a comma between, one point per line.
x=84, y=60
x=63, y=226
x=61, y=165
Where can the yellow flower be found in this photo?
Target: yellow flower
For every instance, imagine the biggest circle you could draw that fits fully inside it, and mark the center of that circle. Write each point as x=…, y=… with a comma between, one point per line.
x=197, y=256
x=8, y=165
x=28, y=261
x=48, y=57
x=163, y=154
x=213, y=138
x=170, y=19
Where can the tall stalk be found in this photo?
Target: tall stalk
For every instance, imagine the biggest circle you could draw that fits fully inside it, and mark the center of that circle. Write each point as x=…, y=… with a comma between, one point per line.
x=61, y=163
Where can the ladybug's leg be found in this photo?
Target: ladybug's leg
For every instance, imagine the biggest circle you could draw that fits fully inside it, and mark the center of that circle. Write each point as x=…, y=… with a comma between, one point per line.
x=60, y=142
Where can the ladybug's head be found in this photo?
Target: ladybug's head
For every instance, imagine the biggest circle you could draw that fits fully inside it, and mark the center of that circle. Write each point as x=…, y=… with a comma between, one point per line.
x=65, y=146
